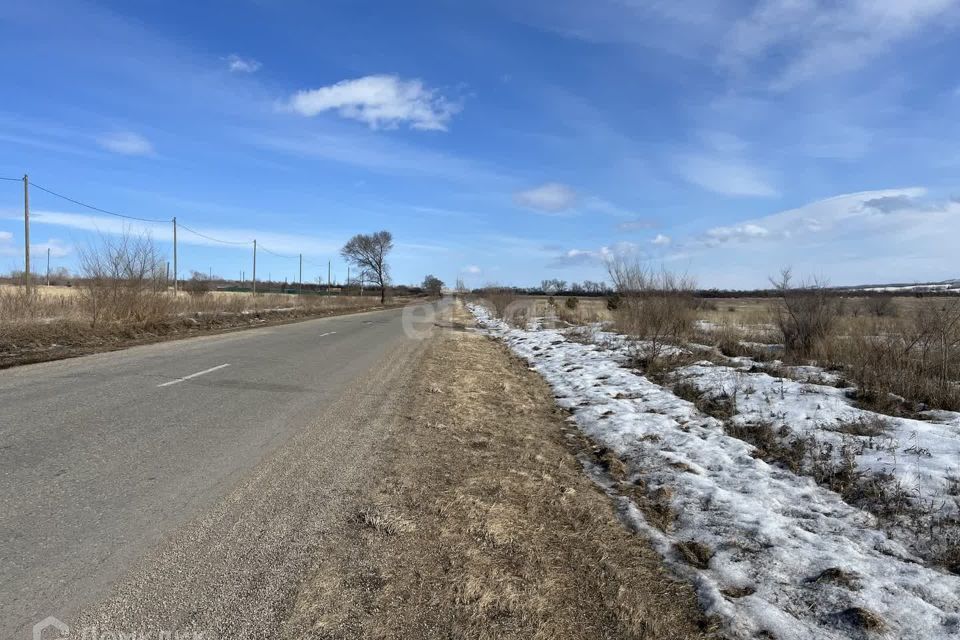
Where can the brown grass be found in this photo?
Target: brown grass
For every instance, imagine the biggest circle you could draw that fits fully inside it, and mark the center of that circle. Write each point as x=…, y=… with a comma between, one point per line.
x=507, y=538
x=53, y=324
x=903, y=354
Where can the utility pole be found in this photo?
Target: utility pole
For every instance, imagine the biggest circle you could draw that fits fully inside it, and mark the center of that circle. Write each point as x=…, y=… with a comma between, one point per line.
x=254, y=267
x=210, y=277
x=48, y=266
x=26, y=232
x=348, y=275
x=174, y=255
x=300, y=279
x=328, y=274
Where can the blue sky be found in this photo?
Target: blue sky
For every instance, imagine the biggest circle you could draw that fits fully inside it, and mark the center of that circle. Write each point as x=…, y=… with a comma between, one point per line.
x=501, y=141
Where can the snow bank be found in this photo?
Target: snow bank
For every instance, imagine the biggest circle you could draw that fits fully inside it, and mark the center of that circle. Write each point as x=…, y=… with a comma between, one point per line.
x=778, y=541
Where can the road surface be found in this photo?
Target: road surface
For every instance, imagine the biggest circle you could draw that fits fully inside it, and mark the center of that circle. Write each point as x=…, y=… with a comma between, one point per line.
x=179, y=483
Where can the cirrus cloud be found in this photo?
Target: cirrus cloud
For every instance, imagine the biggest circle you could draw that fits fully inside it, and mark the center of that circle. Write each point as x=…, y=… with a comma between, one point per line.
x=126, y=143
x=731, y=178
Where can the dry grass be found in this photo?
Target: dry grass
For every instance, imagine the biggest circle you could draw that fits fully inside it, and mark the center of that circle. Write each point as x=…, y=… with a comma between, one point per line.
x=507, y=539
x=55, y=323
x=936, y=535
x=903, y=354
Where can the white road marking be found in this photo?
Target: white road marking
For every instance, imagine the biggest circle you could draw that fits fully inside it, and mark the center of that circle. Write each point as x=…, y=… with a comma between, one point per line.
x=193, y=375
x=329, y=333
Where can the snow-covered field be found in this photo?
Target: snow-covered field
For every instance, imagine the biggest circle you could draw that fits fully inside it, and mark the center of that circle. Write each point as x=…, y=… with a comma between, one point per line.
x=775, y=552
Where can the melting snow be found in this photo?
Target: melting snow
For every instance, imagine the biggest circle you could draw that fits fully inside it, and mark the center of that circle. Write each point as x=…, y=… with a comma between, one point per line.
x=772, y=533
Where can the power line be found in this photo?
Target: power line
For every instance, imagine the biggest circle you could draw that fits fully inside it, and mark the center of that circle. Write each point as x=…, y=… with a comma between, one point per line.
x=90, y=206
x=273, y=253
x=12, y=179
x=212, y=239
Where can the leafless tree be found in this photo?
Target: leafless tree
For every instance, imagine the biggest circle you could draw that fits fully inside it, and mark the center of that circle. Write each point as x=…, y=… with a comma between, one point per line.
x=369, y=252
x=123, y=278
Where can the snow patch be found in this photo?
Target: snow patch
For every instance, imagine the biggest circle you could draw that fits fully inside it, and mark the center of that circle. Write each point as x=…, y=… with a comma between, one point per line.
x=773, y=535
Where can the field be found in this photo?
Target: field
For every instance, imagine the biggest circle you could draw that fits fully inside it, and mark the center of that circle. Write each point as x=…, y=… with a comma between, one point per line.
x=55, y=322
x=797, y=455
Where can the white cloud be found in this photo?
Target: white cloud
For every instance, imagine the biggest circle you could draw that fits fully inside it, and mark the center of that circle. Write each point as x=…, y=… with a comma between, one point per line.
x=551, y=197
x=583, y=257
x=823, y=37
x=738, y=233
x=472, y=269
x=56, y=247
x=661, y=240
x=126, y=143
x=856, y=213
x=236, y=64
x=5, y=236
x=732, y=178
x=380, y=101
x=892, y=235
x=286, y=243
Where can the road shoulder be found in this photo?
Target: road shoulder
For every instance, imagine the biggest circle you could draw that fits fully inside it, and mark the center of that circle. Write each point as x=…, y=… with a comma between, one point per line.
x=479, y=522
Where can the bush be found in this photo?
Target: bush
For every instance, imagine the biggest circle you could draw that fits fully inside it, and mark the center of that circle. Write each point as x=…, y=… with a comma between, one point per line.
x=571, y=303
x=806, y=315
x=499, y=299
x=655, y=306
x=913, y=359
x=880, y=306
x=124, y=279
x=197, y=285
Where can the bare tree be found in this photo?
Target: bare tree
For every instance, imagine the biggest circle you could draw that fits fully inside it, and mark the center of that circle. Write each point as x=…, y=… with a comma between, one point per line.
x=369, y=252
x=123, y=278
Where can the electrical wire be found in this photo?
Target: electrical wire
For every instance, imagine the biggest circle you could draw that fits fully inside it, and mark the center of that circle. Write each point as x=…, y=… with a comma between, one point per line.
x=155, y=220
x=212, y=239
x=273, y=253
x=90, y=206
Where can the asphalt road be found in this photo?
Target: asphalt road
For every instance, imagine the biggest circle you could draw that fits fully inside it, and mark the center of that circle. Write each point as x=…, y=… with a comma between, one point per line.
x=175, y=482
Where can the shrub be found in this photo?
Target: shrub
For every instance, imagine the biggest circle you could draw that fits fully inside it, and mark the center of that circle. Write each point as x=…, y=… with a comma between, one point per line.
x=197, y=285
x=656, y=306
x=916, y=358
x=499, y=299
x=806, y=315
x=880, y=306
x=124, y=279
x=571, y=303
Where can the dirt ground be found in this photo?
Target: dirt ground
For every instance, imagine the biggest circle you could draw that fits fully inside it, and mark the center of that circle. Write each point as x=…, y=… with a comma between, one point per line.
x=480, y=523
